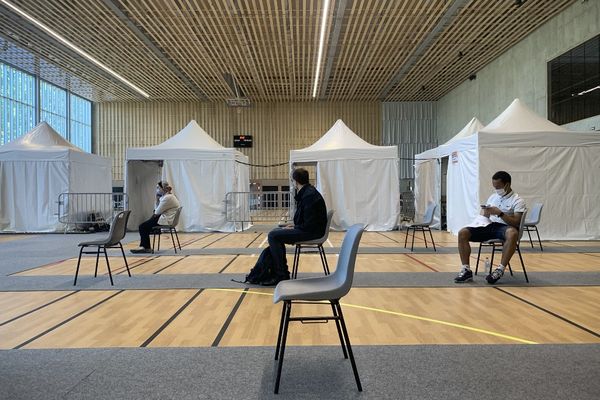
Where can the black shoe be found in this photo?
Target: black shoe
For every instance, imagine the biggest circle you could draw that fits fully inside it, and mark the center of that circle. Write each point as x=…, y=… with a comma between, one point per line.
x=274, y=280
x=466, y=275
x=141, y=251
x=494, y=276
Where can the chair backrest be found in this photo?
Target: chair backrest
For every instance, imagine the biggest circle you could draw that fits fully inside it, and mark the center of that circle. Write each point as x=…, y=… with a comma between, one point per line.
x=176, y=218
x=428, y=217
x=534, y=216
x=118, y=228
x=344, y=272
x=326, y=234
x=522, y=224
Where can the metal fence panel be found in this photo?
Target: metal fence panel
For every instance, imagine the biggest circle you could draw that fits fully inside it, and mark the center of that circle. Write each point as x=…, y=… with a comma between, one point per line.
x=253, y=207
x=80, y=211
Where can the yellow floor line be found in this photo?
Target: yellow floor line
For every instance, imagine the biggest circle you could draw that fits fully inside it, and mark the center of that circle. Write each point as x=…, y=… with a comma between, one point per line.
x=399, y=314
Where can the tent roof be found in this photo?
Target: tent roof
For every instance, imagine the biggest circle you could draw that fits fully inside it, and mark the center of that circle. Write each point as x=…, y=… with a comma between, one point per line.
x=40, y=138
x=474, y=125
x=519, y=118
x=192, y=136
x=340, y=142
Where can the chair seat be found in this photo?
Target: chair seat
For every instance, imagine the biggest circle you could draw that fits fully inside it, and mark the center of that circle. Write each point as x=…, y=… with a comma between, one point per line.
x=161, y=227
x=314, y=242
x=101, y=242
x=313, y=289
x=418, y=225
x=493, y=241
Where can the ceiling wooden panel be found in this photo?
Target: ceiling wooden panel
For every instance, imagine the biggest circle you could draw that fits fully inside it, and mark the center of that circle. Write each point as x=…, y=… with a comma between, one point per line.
x=392, y=50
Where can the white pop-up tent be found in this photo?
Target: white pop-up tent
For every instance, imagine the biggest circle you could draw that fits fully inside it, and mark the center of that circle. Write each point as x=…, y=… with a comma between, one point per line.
x=548, y=164
x=428, y=173
x=35, y=169
x=357, y=179
x=201, y=172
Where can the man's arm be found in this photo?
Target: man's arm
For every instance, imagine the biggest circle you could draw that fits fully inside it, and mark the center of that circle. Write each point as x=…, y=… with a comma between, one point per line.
x=510, y=219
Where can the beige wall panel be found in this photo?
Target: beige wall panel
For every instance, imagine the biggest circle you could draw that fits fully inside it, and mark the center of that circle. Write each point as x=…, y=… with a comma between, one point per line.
x=276, y=128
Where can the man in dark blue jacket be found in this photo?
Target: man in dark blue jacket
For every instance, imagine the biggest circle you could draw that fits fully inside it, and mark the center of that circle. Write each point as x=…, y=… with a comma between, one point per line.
x=310, y=221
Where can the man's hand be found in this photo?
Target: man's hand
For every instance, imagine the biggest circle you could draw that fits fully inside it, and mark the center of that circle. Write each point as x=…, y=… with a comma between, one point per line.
x=493, y=210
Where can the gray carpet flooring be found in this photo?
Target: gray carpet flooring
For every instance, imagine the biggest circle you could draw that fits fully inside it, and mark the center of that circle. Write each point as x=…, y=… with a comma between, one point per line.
x=387, y=372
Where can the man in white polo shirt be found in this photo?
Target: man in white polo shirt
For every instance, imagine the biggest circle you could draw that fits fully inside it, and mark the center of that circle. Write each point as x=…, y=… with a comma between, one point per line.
x=504, y=208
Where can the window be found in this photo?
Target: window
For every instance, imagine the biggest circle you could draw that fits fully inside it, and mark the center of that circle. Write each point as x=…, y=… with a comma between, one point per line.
x=68, y=114
x=81, y=123
x=17, y=103
x=53, y=106
x=574, y=83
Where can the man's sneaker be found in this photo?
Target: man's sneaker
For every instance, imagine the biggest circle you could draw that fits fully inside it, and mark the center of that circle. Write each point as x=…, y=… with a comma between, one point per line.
x=494, y=276
x=141, y=250
x=465, y=275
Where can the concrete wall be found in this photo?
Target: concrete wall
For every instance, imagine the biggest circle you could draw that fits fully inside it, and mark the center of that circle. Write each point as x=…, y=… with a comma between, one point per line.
x=520, y=72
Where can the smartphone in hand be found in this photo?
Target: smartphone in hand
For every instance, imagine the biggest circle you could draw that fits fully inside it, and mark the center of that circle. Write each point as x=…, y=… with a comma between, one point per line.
x=484, y=206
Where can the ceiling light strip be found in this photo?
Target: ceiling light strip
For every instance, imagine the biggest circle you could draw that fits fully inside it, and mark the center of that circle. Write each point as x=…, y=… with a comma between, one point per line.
x=72, y=46
x=321, y=44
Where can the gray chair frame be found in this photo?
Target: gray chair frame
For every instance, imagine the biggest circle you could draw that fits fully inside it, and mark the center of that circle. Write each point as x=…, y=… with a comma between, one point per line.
x=531, y=225
x=330, y=288
x=497, y=243
x=315, y=243
x=422, y=226
x=118, y=228
x=172, y=228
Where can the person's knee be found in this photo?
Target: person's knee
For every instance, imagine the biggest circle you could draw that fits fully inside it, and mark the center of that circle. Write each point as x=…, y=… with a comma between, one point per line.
x=464, y=235
x=511, y=234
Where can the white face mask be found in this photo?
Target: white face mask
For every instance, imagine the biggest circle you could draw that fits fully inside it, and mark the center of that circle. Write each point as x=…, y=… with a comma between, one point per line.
x=500, y=192
x=159, y=191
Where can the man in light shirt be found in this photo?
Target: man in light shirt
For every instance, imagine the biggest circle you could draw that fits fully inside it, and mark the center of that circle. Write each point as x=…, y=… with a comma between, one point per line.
x=164, y=213
x=504, y=208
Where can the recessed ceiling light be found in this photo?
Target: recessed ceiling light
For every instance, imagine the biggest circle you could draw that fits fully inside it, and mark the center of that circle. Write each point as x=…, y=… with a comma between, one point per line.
x=72, y=46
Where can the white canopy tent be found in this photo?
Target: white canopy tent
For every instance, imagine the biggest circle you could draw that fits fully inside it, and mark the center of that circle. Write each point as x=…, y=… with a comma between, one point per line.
x=35, y=169
x=548, y=164
x=428, y=173
x=357, y=179
x=201, y=172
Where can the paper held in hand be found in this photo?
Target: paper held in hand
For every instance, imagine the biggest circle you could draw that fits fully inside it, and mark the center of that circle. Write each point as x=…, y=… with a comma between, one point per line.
x=480, y=221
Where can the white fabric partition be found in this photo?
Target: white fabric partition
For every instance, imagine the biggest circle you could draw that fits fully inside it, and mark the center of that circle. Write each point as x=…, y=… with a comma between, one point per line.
x=35, y=169
x=357, y=179
x=429, y=175
x=201, y=172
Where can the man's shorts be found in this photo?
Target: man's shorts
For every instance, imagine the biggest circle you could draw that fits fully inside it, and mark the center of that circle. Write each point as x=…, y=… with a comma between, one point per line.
x=495, y=230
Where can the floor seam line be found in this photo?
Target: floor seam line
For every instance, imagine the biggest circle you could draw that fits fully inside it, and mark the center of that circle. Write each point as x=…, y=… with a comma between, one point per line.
x=227, y=322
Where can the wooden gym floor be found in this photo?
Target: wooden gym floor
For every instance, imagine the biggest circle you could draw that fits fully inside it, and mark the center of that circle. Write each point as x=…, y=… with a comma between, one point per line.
x=508, y=313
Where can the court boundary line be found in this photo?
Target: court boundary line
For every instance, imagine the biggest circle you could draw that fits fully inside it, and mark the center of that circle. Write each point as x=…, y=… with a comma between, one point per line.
x=228, y=264
x=230, y=317
x=169, y=265
x=38, y=308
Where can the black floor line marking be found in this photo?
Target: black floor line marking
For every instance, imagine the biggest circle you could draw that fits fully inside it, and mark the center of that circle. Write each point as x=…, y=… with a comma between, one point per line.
x=215, y=241
x=196, y=240
x=133, y=266
x=228, y=320
x=550, y=312
x=25, y=343
x=253, y=240
x=168, y=322
x=386, y=236
x=421, y=262
x=39, y=266
x=170, y=265
x=228, y=264
x=38, y=308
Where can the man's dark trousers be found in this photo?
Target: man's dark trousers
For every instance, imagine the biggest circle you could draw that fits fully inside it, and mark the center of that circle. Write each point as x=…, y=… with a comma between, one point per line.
x=145, y=228
x=278, y=238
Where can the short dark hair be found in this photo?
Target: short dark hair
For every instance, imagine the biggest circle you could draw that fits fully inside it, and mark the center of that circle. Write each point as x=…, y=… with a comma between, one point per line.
x=502, y=176
x=300, y=175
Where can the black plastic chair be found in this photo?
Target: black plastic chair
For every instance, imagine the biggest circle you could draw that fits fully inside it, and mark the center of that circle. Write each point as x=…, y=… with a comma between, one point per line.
x=117, y=232
x=171, y=228
x=498, y=243
x=315, y=243
x=422, y=226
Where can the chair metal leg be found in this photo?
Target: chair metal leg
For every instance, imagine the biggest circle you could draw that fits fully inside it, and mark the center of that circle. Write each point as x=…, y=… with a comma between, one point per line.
x=177, y=237
x=286, y=322
x=283, y=310
x=412, y=246
x=153, y=241
x=323, y=259
x=97, y=258
x=478, y=257
x=78, y=262
x=406, y=237
x=339, y=329
x=173, y=239
x=432, y=241
x=422, y=229
x=159, y=235
x=296, y=261
x=108, y=266
x=522, y=264
x=348, y=346
x=528, y=234
x=538, y=236
x=125, y=258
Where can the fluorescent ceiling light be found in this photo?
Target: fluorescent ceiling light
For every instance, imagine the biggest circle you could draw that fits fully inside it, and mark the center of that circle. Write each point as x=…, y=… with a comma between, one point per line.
x=587, y=91
x=321, y=44
x=73, y=47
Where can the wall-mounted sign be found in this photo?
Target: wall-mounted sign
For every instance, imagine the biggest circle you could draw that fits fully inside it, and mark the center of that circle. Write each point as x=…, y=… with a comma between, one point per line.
x=242, y=140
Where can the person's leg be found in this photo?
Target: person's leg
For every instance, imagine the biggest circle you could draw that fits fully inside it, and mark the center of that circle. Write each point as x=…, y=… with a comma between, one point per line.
x=278, y=238
x=511, y=235
x=145, y=228
x=464, y=248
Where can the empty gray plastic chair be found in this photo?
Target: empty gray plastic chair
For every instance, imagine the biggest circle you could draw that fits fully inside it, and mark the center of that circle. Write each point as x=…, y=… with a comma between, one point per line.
x=532, y=221
x=118, y=228
x=315, y=243
x=422, y=226
x=171, y=228
x=329, y=288
x=498, y=243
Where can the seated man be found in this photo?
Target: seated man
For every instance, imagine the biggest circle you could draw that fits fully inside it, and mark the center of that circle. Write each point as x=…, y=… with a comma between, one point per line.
x=504, y=209
x=164, y=213
x=310, y=221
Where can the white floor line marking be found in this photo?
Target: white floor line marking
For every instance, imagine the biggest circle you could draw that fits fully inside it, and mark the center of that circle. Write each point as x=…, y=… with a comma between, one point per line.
x=330, y=245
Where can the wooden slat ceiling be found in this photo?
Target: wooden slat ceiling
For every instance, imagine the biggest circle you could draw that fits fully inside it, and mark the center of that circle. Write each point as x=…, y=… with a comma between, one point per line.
x=180, y=50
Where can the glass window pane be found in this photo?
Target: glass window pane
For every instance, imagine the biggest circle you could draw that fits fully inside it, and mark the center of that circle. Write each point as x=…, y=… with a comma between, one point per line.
x=17, y=105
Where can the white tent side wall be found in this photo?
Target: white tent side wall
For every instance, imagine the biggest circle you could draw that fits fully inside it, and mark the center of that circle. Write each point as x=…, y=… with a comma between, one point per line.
x=428, y=185
x=361, y=191
x=141, y=178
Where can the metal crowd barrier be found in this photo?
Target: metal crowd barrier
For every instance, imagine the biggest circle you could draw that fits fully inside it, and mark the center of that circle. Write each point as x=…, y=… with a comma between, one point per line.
x=90, y=211
x=254, y=207
x=407, y=206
